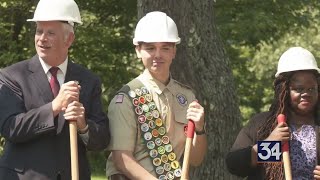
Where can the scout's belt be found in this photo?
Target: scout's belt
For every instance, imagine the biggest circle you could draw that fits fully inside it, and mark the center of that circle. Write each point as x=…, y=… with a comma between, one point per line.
x=153, y=132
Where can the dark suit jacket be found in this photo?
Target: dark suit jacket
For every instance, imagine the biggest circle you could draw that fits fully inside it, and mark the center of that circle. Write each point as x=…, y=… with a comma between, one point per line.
x=37, y=144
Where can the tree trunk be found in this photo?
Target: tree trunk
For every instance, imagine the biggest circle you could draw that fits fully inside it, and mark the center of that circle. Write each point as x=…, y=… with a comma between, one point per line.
x=202, y=63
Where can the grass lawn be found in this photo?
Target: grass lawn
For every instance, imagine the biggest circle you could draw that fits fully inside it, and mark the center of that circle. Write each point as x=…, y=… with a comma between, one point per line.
x=98, y=177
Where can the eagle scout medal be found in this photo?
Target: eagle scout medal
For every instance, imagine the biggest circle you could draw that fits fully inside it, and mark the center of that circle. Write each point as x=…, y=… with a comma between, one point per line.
x=182, y=100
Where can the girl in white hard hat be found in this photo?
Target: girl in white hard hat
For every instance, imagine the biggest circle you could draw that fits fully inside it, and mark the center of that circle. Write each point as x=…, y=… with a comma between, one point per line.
x=296, y=95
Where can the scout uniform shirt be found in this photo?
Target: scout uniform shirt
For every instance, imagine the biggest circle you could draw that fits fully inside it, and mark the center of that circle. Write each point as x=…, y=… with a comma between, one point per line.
x=172, y=101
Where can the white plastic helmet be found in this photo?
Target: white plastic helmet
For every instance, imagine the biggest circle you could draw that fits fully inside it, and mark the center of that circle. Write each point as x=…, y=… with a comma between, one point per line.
x=156, y=27
x=295, y=59
x=57, y=10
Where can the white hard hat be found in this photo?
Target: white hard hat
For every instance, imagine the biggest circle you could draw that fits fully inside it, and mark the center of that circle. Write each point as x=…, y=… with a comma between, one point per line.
x=57, y=10
x=295, y=59
x=156, y=27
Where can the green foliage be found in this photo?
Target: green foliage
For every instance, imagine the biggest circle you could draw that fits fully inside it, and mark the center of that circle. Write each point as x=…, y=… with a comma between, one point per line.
x=255, y=34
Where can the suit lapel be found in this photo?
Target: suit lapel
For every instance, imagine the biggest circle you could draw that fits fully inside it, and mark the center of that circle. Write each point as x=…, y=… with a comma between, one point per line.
x=39, y=79
x=72, y=72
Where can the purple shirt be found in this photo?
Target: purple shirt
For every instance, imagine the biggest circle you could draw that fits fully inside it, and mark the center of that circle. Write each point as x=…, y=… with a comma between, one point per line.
x=303, y=152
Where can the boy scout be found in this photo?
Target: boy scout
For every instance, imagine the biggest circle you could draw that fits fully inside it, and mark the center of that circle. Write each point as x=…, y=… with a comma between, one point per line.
x=149, y=114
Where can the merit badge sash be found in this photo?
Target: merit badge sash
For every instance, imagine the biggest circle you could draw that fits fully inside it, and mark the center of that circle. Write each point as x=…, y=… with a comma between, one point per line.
x=153, y=131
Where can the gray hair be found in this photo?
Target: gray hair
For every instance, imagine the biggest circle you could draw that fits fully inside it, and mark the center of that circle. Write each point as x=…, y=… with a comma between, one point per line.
x=67, y=28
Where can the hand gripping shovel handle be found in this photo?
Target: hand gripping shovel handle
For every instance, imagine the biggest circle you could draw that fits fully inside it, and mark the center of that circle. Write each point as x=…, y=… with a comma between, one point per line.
x=285, y=152
x=187, y=150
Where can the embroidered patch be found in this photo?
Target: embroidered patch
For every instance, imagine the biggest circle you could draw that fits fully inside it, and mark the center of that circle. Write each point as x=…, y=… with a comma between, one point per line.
x=119, y=98
x=182, y=99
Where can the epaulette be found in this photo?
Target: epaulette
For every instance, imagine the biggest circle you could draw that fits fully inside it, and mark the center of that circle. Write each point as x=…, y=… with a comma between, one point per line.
x=183, y=85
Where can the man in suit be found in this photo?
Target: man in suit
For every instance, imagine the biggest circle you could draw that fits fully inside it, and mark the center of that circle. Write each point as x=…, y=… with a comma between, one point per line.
x=40, y=95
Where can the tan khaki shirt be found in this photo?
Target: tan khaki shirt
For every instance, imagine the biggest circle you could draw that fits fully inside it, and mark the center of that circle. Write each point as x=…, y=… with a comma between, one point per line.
x=172, y=101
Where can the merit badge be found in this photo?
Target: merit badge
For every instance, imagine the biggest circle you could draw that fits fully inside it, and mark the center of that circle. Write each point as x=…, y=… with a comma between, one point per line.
x=152, y=125
x=182, y=100
x=159, y=122
x=153, y=153
x=138, y=92
x=144, y=90
x=119, y=98
x=148, y=97
x=167, y=166
x=168, y=147
x=162, y=177
x=132, y=94
x=164, y=158
x=150, y=145
x=172, y=156
x=175, y=164
x=159, y=170
x=149, y=116
x=170, y=175
x=147, y=136
x=138, y=110
x=156, y=161
x=162, y=131
x=152, y=106
x=155, y=113
x=142, y=119
x=142, y=100
x=161, y=150
x=145, y=108
x=155, y=133
x=165, y=139
x=135, y=101
x=144, y=127
x=158, y=141
x=178, y=172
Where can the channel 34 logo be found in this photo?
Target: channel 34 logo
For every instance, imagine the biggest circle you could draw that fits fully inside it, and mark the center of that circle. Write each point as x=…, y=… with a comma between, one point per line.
x=269, y=151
